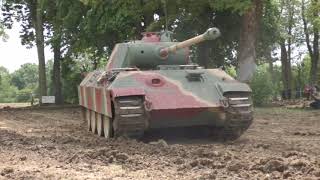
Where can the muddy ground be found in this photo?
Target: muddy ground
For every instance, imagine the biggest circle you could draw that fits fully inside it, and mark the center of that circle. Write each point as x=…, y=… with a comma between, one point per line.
x=54, y=144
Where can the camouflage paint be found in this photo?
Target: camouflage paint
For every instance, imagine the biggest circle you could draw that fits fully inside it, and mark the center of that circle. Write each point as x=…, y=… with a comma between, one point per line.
x=168, y=94
x=94, y=96
x=175, y=96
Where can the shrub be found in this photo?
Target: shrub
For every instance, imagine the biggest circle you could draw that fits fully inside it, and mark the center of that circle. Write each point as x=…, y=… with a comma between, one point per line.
x=262, y=86
x=24, y=95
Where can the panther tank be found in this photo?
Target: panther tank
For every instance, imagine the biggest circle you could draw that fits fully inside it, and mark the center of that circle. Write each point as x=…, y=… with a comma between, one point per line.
x=151, y=83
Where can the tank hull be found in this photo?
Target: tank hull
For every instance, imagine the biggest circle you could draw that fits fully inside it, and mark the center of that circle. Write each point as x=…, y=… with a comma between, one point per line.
x=166, y=98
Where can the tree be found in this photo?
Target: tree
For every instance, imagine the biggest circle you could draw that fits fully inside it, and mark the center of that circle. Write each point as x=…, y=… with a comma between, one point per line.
x=311, y=26
x=3, y=34
x=1, y=30
x=248, y=41
x=3, y=73
x=7, y=92
x=54, y=20
x=37, y=20
x=289, y=37
x=26, y=76
x=30, y=14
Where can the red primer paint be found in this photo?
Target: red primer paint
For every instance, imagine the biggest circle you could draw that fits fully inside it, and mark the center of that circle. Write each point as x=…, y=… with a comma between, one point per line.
x=98, y=99
x=82, y=95
x=117, y=92
x=108, y=105
x=89, y=97
x=168, y=96
x=150, y=37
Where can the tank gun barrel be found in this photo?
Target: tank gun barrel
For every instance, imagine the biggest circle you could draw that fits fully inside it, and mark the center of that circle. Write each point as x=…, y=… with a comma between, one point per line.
x=210, y=34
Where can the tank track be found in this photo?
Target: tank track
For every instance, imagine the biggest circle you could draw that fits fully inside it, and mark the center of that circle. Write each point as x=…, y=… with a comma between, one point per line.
x=130, y=117
x=239, y=116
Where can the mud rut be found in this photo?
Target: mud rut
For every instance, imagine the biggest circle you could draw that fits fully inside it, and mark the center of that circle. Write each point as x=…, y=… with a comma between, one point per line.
x=54, y=144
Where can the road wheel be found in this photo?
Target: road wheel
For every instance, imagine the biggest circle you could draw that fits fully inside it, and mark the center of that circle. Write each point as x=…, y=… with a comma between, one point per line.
x=99, y=124
x=88, y=117
x=93, y=122
x=107, y=127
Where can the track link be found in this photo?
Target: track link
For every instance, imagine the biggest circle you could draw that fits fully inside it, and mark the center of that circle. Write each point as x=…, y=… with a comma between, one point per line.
x=239, y=115
x=130, y=117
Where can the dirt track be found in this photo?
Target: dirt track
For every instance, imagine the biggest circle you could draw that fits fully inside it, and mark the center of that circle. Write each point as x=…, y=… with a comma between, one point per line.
x=54, y=144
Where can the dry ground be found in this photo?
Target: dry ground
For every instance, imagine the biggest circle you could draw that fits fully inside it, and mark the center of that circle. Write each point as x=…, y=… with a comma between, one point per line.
x=14, y=105
x=54, y=144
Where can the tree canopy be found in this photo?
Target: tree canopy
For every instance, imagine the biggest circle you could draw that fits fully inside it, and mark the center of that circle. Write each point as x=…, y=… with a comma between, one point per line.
x=82, y=34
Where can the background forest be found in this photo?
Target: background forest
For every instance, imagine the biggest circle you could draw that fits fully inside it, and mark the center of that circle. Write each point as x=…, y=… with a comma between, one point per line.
x=282, y=36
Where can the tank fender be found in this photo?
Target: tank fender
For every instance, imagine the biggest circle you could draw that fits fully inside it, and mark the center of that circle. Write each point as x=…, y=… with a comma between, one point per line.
x=122, y=92
x=96, y=99
x=233, y=87
x=118, y=92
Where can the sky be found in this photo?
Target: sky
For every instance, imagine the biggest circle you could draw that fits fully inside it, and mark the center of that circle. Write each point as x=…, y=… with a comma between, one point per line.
x=13, y=54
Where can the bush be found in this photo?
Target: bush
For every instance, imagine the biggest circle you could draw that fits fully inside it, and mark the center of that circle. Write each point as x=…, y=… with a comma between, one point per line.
x=7, y=94
x=262, y=86
x=24, y=95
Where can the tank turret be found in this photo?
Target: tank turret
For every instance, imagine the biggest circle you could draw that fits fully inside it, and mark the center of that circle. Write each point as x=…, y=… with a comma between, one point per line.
x=210, y=34
x=156, y=49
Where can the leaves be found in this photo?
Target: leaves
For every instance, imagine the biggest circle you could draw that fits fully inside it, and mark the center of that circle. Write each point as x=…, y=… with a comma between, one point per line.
x=26, y=76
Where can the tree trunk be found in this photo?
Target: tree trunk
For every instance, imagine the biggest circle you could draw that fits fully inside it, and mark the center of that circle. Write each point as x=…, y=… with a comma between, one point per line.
x=203, y=54
x=286, y=71
x=56, y=77
x=40, y=49
x=313, y=50
x=268, y=56
x=314, y=57
x=247, y=43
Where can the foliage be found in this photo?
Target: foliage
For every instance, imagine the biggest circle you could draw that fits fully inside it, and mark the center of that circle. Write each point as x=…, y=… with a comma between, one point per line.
x=24, y=95
x=87, y=30
x=3, y=34
x=26, y=76
x=7, y=92
x=19, y=85
x=312, y=12
x=302, y=72
x=263, y=89
x=234, y=5
x=231, y=70
x=269, y=34
x=73, y=72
